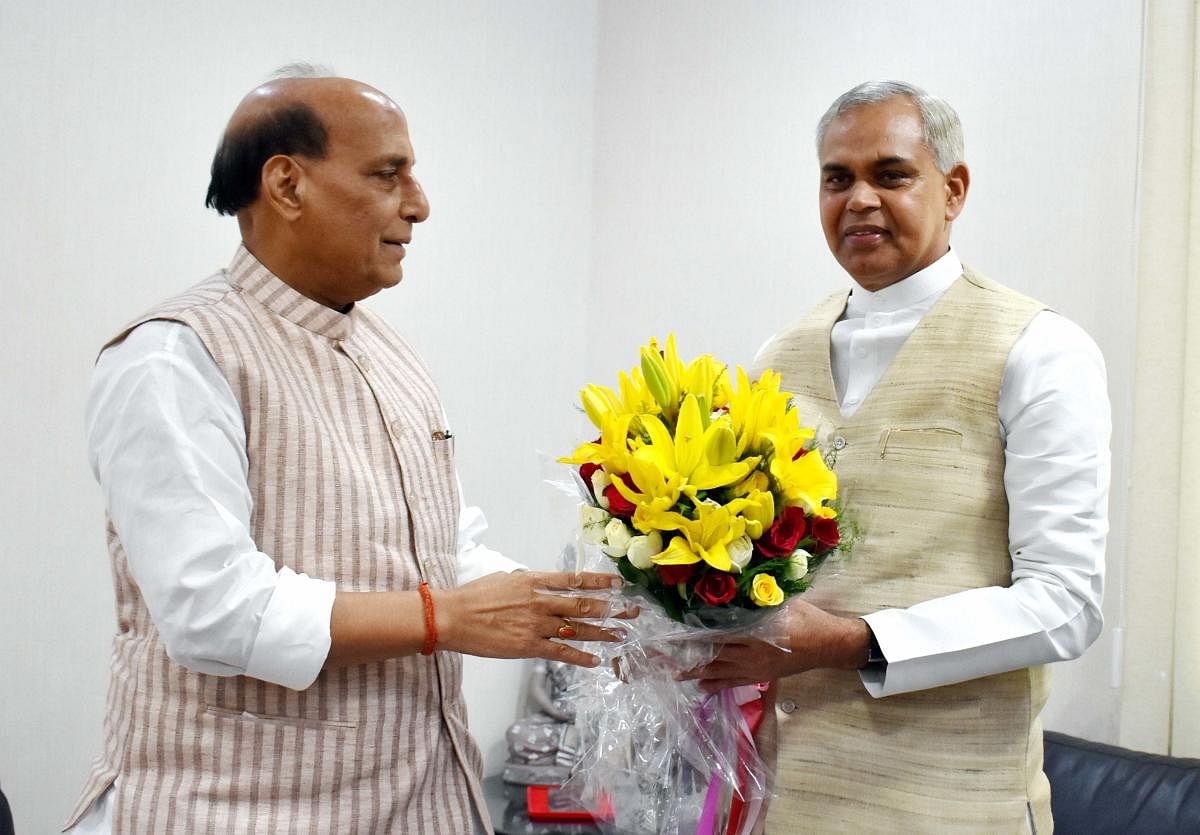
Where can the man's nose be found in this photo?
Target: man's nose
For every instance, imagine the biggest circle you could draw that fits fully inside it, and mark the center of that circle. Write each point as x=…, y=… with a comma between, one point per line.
x=863, y=197
x=415, y=206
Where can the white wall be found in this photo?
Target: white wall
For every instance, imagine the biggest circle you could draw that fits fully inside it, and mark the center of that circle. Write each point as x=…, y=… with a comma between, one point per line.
x=111, y=112
x=598, y=172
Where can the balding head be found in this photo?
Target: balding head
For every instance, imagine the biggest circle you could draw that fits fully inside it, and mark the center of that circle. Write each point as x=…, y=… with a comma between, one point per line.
x=288, y=116
x=319, y=174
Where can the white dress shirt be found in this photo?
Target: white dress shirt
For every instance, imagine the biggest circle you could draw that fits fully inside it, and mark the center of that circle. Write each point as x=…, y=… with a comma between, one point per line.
x=1055, y=425
x=166, y=442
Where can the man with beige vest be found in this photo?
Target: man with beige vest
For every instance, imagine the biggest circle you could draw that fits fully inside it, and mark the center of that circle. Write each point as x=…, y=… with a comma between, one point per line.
x=970, y=438
x=295, y=579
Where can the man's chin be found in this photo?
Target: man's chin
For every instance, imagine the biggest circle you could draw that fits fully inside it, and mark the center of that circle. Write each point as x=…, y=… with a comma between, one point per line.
x=870, y=276
x=388, y=280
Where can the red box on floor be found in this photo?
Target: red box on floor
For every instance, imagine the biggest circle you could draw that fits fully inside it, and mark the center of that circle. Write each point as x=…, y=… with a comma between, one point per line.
x=551, y=804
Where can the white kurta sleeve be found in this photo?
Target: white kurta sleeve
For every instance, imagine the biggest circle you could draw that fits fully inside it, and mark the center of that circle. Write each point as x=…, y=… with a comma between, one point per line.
x=476, y=560
x=167, y=444
x=1054, y=415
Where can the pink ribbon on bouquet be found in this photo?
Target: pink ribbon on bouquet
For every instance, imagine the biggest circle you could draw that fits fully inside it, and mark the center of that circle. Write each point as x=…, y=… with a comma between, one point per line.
x=742, y=812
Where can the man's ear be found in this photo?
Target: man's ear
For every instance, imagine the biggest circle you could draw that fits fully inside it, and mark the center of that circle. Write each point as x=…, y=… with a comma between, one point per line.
x=282, y=185
x=957, y=183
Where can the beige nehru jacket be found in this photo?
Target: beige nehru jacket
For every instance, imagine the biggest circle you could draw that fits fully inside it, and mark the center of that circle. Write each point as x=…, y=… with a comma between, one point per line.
x=921, y=467
x=349, y=484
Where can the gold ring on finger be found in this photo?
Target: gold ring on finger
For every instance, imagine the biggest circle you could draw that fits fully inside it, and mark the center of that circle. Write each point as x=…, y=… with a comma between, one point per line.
x=567, y=630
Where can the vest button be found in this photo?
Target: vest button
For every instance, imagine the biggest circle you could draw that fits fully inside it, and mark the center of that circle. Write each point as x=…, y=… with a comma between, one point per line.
x=839, y=442
x=364, y=362
x=787, y=706
x=397, y=427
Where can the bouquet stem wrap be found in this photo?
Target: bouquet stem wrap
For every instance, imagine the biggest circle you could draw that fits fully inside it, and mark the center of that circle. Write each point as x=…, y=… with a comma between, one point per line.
x=671, y=758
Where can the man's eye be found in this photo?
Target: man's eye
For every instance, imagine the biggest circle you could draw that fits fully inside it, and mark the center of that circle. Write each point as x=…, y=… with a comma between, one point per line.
x=836, y=180
x=389, y=174
x=893, y=177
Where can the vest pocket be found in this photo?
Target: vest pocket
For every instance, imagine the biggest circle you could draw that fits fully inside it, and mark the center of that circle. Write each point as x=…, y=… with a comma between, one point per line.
x=443, y=462
x=246, y=700
x=298, y=721
x=935, y=445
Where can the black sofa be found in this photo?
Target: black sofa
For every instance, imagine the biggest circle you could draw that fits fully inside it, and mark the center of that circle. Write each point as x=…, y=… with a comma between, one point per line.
x=1097, y=789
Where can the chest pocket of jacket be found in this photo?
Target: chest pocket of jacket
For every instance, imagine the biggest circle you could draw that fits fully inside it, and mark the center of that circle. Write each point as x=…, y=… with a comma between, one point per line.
x=936, y=446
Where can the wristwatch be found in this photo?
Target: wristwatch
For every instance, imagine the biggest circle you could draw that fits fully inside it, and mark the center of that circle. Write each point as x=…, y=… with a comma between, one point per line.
x=875, y=658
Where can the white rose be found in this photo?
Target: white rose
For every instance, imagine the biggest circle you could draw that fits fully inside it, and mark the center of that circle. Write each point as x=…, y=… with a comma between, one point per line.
x=642, y=548
x=618, y=536
x=797, y=565
x=591, y=522
x=740, y=551
x=600, y=480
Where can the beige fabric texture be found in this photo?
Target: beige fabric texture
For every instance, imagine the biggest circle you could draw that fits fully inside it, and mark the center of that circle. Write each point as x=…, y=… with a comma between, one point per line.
x=921, y=468
x=348, y=485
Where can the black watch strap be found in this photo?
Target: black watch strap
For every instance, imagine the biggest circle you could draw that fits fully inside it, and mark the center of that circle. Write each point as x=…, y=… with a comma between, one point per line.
x=875, y=659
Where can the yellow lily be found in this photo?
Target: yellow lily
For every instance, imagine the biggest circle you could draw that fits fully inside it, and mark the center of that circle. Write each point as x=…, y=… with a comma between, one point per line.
x=760, y=407
x=653, y=495
x=636, y=396
x=803, y=480
x=599, y=402
x=663, y=373
x=669, y=380
x=612, y=451
x=706, y=379
x=705, y=538
x=759, y=511
x=706, y=458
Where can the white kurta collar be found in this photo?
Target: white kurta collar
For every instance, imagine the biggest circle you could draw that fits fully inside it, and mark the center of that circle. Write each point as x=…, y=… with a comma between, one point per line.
x=929, y=282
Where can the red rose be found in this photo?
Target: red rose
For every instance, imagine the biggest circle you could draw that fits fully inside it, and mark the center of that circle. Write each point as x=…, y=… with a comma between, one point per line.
x=716, y=587
x=673, y=575
x=618, y=505
x=826, y=533
x=784, y=535
x=585, y=472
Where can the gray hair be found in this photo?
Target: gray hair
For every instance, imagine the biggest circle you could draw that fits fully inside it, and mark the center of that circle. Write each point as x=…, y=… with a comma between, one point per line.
x=302, y=69
x=943, y=130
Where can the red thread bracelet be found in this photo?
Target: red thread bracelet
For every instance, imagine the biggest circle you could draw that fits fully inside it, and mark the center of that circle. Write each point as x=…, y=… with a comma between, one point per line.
x=431, y=633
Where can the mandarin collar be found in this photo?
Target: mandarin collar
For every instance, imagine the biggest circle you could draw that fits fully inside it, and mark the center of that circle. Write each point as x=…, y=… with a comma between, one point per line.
x=931, y=281
x=248, y=275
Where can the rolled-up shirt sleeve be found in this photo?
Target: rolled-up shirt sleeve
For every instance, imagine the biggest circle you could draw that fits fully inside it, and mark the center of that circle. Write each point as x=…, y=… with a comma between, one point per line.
x=167, y=444
x=1055, y=420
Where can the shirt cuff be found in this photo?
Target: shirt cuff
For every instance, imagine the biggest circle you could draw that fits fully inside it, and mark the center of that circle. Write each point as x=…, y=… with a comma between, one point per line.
x=480, y=561
x=293, y=637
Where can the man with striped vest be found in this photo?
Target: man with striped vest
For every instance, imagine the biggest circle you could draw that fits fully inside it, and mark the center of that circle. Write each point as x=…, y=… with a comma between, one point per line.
x=969, y=431
x=295, y=580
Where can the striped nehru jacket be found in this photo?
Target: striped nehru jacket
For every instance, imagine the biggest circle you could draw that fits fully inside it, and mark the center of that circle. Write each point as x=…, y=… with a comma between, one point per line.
x=350, y=484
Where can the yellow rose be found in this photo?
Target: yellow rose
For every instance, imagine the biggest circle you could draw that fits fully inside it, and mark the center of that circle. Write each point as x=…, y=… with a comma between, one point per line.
x=765, y=591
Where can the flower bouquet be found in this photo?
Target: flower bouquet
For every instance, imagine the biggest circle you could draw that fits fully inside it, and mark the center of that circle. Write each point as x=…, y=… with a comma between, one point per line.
x=716, y=506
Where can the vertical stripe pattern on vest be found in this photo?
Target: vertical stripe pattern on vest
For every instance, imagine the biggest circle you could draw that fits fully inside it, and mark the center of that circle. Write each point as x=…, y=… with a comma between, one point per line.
x=921, y=466
x=349, y=484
